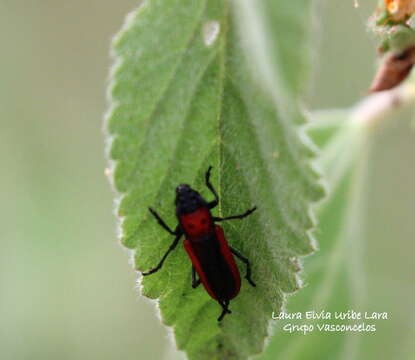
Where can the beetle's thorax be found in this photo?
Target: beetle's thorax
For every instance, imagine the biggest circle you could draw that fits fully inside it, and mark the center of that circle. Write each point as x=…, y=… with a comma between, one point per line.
x=192, y=212
x=197, y=224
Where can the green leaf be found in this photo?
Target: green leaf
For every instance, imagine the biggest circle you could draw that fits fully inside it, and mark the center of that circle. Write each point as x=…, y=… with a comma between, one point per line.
x=199, y=83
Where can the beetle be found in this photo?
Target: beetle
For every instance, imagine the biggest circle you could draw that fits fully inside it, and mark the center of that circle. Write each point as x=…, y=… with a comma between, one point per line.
x=205, y=243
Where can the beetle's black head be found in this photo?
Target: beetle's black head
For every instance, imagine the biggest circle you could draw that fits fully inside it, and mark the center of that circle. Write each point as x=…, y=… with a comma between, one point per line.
x=187, y=200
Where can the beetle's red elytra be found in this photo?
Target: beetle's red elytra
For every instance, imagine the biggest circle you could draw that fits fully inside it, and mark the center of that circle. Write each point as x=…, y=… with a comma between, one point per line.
x=205, y=243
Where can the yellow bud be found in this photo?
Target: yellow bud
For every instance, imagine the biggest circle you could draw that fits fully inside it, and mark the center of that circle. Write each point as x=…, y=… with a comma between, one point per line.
x=400, y=9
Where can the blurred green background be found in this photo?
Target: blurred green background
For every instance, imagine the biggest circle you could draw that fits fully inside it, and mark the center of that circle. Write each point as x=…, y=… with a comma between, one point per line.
x=67, y=290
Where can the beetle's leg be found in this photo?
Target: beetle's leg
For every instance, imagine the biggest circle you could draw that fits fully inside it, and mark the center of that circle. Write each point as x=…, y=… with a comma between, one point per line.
x=244, y=215
x=215, y=202
x=195, y=283
x=162, y=223
x=222, y=314
x=170, y=249
x=248, y=265
x=225, y=309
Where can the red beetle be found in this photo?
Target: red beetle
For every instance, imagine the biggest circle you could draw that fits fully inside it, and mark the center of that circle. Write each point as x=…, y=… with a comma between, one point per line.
x=206, y=245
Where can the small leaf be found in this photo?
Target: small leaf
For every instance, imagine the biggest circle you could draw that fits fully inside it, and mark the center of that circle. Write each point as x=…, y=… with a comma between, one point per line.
x=185, y=95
